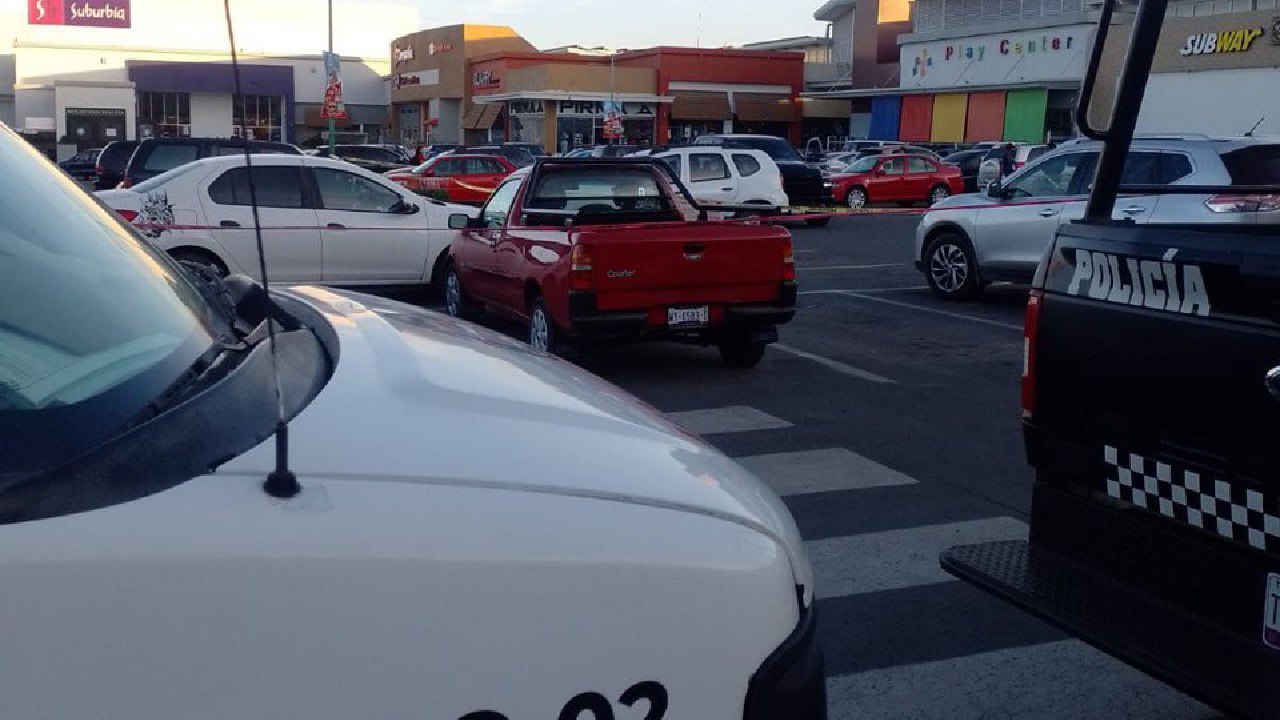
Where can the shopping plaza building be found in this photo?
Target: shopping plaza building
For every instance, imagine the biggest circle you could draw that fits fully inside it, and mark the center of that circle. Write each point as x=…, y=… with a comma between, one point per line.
x=140, y=68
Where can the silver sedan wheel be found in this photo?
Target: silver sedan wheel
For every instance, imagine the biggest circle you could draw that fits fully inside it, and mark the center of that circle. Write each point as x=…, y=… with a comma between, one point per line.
x=453, y=294
x=539, y=329
x=949, y=267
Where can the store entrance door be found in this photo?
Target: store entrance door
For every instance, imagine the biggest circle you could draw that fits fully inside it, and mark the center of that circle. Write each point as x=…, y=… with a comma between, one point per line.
x=95, y=127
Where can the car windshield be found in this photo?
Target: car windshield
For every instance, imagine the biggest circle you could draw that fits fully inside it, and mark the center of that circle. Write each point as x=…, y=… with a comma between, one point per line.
x=866, y=164
x=94, y=323
x=602, y=191
x=776, y=148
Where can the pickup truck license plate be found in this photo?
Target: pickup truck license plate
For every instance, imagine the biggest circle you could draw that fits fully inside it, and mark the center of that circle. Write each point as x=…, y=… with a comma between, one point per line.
x=1271, y=613
x=688, y=316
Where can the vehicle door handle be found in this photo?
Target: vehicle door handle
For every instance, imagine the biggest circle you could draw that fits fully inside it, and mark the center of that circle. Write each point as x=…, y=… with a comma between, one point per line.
x=1048, y=212
x=228, y=223
x=336, y=226
x=1134, y=210
x=1272, y=381
x=728, y=189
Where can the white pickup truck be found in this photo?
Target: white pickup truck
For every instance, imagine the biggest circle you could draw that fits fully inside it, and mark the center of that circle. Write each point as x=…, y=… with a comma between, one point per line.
x=478, y=531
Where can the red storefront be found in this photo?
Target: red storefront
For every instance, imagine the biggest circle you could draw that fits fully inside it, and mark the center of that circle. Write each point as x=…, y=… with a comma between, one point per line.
x=665, y=95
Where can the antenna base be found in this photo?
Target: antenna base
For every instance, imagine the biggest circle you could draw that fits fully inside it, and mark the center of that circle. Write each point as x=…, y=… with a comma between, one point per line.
x=282, y=484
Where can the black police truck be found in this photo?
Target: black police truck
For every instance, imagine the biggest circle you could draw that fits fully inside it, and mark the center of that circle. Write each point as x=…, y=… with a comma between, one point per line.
x=1151, y=399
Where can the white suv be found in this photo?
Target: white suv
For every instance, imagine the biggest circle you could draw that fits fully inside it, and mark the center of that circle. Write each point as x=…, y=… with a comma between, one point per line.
x=724, y=176
x=968, y=241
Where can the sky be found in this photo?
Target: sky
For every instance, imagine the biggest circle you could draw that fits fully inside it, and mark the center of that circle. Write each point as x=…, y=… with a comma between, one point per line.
x=632, y=23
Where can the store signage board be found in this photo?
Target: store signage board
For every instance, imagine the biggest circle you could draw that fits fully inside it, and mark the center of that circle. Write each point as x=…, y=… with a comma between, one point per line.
x=333, y=107
x=1217, y=43
x=80, y=13
x=485, y=80
x=411, y=79
x=1058, y=53
x=96, y=112
x=579, y=108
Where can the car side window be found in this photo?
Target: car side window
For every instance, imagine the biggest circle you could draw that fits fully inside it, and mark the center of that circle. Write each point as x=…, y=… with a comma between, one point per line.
x=489, y=166
x=341, y=190
x=1173, y=167
x=919, y=165
x=167, y=157
x=673, y=162
x=1051, y=178
x=706, y=166
x=276, y=186
x=1140, y=168
x=747, y=165
x=498, y=209
x=893, y=167
x=447, y=168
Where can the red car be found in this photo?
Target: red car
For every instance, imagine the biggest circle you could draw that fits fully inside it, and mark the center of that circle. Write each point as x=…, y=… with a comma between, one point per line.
x=904, y=179
x=466, y=179
x=580, y=249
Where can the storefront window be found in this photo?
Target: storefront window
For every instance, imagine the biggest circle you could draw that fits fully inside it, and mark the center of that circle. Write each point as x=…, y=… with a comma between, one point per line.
x=257, y=117
x=586, y=130
x=527, y=128
x=164, y=114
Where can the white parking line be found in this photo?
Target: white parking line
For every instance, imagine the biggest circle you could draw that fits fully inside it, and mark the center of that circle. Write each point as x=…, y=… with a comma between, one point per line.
x=897, y=559
x=849, y=267
x=842, y=368
x=737, y=418
x=863, y=290
x=826, y=470
x=935, y=311
x=1052, y=681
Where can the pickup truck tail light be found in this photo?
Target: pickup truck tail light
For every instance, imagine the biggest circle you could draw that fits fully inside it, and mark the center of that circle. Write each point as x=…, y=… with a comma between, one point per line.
x=788, y=261
x=1243, y=203
x=1029, y=333
x=128, y=215
x=580, y=268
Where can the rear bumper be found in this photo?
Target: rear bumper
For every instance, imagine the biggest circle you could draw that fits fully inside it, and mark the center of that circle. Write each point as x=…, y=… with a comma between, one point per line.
x=585, y=320
x=1183, y=607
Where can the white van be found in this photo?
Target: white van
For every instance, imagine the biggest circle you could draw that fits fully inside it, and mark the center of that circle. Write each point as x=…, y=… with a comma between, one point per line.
x=722, y=176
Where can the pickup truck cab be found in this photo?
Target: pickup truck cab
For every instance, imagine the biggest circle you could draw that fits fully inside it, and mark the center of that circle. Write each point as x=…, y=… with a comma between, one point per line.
x=585, y=249
x=597, y=558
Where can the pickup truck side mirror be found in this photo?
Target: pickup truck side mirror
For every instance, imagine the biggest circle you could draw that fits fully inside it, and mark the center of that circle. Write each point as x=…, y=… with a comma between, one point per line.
x=460, y=221
x=405, y=208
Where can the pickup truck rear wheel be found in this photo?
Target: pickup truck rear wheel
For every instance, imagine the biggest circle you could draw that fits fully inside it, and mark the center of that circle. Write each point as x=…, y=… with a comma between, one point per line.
x=740, y=351
x=951, y=268
x=542, y=331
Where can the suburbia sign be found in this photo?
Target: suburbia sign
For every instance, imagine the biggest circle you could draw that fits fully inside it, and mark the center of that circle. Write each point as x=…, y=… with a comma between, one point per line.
x=83, y=13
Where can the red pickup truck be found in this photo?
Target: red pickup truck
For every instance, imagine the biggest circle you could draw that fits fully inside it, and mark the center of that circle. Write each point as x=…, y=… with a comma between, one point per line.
x=585, y=249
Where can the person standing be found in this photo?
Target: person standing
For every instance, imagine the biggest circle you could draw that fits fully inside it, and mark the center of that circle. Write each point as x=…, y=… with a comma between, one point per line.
x=1007, y=159
x=419, y=156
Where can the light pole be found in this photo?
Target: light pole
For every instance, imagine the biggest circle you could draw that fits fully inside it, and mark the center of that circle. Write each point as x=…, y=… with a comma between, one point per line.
x=613, y=106
x=333, y=123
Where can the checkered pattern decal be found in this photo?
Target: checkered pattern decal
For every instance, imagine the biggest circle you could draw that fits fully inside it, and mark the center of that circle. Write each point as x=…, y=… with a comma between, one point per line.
x=1208, y=503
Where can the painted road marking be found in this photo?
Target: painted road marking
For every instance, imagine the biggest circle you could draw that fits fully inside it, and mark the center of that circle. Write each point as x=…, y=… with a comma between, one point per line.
x=849, y=267
x=842, y=368
x=1050, y=681
x=896, y=559
x=935, y=311
x=736, y=418
x=863, y=290
x=827, y=470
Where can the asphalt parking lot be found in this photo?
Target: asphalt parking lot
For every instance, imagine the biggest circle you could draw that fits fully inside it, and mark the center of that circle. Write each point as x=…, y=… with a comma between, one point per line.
x=889, y=422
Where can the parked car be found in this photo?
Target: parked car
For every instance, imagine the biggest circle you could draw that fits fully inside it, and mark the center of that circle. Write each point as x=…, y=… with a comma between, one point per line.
x=805, y=184
x=83, y=165
x=719, y=176
x=373, y=158
x=891, y=177
x=911, y=150
x=155, y=156
x=563, y=247
x=990, y=169
x=517, y=155
x=113, y=160
x=534, y=149
x=466, y=529
x=612, y=151
x=436, y=149
x=968, y=161
x=835, y=162
x=468, y=179
x=1001, y=234
x=323, y=220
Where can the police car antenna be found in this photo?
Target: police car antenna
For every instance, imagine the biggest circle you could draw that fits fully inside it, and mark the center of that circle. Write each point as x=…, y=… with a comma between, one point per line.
x=1256, y=126
x=281, y=483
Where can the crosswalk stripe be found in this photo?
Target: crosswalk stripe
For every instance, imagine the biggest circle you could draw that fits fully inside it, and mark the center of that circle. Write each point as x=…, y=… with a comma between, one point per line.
x=826, y=470
x=736, y=418
x=896, y=559
x=1063, y=679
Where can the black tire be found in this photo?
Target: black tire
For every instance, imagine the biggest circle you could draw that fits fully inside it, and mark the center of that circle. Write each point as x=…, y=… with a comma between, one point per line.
x=435, y=291
x=951, y=267
x=542, y=329
x=739, y=351
x=938, y=193
x=456, y=302
x=818, y=222
x=203, y=259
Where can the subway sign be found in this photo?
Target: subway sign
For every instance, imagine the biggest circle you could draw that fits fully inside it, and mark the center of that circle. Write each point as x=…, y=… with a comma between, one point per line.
x=1216, y=43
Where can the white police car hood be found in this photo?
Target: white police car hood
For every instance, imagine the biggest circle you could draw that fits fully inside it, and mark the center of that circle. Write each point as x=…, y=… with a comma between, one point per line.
x=420, y=398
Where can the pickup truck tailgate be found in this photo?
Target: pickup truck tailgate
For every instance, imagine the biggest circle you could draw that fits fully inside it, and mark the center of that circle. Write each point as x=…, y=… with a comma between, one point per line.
x=639, y=266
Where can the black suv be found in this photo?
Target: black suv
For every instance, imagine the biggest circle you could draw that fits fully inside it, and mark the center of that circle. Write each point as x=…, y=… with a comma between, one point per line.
x=112, y=162
x=373, y=158
x=160, y=155
x=803, y=182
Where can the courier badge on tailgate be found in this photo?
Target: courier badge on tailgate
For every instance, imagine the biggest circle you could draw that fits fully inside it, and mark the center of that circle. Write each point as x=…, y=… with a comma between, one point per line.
x=1155, y=284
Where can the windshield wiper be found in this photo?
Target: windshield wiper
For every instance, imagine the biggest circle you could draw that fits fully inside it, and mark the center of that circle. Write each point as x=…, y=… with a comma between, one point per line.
x=213, y=364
